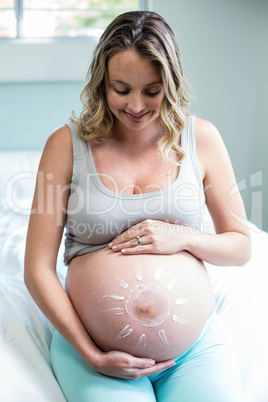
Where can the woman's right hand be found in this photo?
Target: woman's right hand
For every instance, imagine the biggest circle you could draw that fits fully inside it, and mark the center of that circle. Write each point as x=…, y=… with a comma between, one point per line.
x=124, y=365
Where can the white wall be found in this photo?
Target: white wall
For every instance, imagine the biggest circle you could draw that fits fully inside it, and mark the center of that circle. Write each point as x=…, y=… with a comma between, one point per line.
x=45, y=60
x=224, y=45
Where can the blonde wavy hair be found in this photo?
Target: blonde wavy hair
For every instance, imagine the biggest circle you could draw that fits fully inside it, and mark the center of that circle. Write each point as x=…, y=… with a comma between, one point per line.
x=151, y=37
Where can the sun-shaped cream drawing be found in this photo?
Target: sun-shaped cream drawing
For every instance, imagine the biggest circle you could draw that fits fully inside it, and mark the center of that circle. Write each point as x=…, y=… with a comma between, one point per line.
x=140, y=295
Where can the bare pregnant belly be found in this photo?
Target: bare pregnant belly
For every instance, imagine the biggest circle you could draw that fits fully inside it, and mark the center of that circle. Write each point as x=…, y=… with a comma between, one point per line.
x=147, y=305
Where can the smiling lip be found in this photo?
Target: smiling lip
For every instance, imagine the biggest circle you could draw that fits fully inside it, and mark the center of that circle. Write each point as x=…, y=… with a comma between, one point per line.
x=135, y=117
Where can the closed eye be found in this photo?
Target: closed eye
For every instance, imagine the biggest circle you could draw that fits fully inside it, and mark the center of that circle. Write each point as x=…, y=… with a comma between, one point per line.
x=126, y=92
x=121, y=92
x=152, y=94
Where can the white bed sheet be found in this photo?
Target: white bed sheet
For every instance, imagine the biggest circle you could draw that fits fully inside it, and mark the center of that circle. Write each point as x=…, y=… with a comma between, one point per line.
x=25, y=334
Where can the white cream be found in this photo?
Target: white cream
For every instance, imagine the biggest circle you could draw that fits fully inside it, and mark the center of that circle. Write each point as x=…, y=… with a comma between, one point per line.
x=124, y=333
x=141, y=295
x=158, y=273
x=163, y=337
x=122, y=283
x=171, y=283
x=141, y=342
x=183, y=300
x=178, y=319
x=138, y=273
x=114, y=297
x=116, y=310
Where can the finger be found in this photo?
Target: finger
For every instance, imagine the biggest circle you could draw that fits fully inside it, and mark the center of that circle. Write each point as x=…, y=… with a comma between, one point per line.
x=124, y=239
x=156, y=368
x=137, y=227
x=119, y=246
x=160, y=366
x=137, y=250
x=140, y=363
x=133, y=243
x=140, y=229
x=131, y=233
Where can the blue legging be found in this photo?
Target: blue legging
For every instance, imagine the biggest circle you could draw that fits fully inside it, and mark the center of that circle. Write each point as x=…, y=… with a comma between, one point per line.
x=206, y=373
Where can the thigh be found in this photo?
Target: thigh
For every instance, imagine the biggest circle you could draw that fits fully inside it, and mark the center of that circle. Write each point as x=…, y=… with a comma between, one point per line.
x=207, y=373
x=80, y=383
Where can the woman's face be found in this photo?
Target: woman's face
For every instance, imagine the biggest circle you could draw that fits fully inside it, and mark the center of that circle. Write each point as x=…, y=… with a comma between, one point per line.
x=134, y=90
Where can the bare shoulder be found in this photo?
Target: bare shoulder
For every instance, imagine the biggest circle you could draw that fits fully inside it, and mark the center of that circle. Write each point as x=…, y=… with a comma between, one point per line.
x=209, y=144
x=206, y=132
x=57, y=155
x=60, y=139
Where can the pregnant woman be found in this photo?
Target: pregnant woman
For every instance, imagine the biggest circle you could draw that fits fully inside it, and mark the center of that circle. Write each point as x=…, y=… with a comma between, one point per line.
x=129, y=180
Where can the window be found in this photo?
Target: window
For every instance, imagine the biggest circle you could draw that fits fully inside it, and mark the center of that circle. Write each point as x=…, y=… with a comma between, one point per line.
x=60, y=18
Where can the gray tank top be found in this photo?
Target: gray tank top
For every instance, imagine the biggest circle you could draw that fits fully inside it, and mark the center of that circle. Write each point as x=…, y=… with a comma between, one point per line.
x=96, y=214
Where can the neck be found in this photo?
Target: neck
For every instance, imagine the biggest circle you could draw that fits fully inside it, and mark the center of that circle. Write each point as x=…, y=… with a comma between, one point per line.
x=145, y=138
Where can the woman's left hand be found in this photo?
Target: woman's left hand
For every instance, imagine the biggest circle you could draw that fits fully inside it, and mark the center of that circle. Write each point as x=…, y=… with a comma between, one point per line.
x=151, y=237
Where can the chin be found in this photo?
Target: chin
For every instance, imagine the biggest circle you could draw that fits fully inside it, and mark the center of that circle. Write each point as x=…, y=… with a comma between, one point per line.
x=133, y=125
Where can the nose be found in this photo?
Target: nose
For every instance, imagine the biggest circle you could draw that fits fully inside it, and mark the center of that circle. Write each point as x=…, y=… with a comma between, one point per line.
x=135, y=103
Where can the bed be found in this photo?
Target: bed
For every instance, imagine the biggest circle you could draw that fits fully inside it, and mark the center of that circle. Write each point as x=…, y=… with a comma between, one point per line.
x=25, y=371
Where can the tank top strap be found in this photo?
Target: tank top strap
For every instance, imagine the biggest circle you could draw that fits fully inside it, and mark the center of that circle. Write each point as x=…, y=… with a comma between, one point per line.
x=79, y=153
x=189, y=146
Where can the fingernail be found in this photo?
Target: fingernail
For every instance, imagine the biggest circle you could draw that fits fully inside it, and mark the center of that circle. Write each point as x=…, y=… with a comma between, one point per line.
x=114, y=247
x=110, y=244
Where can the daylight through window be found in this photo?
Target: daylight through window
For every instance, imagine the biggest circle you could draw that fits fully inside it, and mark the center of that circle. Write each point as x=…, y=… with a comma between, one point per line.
x=60, y=18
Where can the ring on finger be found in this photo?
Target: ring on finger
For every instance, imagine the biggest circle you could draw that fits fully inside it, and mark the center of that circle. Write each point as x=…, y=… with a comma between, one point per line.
x=139, y=240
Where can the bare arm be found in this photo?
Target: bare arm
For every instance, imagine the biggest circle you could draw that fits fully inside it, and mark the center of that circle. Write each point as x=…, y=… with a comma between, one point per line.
x=231, y=243
x=43, y=240
x=44, y=236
